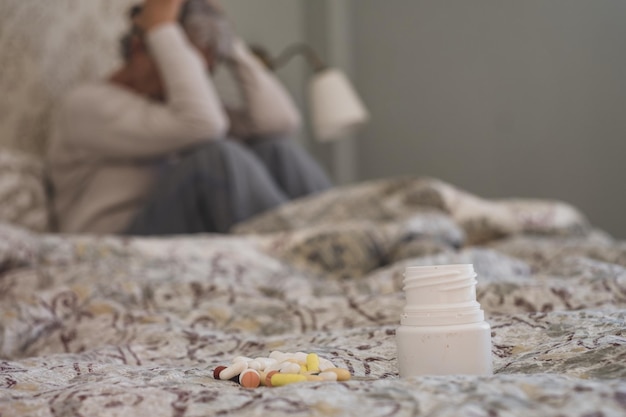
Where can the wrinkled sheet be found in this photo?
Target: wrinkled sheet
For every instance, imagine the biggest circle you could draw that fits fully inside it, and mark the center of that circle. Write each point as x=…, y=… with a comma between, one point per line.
x=114, y=326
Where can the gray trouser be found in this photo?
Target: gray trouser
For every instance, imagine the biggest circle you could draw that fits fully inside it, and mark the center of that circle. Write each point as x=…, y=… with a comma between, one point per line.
x=220, y=183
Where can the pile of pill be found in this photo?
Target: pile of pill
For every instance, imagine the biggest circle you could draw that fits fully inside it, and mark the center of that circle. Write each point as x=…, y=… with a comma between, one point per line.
x=280, y=369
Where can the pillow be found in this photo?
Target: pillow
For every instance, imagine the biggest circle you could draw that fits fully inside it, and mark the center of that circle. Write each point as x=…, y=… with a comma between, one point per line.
x=23, y=199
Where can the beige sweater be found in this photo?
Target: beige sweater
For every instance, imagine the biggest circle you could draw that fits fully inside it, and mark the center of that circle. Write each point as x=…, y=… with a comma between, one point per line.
x=107, y=141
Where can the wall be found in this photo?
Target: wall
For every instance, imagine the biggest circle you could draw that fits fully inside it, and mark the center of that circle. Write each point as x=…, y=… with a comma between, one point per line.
x=503, y=98
x=274, y=24
x=329, y=30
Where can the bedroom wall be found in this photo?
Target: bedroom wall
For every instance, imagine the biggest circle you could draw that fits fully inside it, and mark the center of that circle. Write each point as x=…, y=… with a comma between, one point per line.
x=274, y=24
x=503, y=98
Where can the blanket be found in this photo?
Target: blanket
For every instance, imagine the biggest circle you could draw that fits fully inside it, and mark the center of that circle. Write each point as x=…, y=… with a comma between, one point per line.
x=118, y=326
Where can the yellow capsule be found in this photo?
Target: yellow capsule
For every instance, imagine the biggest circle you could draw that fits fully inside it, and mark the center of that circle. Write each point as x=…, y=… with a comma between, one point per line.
x=303, y=369
x=342, y=374
x=312, y=362
x=279, y=380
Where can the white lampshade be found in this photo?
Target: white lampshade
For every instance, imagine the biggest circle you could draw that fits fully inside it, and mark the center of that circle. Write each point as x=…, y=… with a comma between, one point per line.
x=336, y=109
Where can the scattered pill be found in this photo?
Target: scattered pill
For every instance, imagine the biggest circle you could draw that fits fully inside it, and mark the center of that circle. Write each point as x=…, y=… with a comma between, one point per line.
x=233, y=370
x=268, y=378
x=342, y=374
x=250, y=378
x=274, y=367
x=265, y=362
x=290, y=368
x=280, y=368
x=216, y=371
x=277, y=355
x=312, y=362
x=328, y=376
x=279, y=379
x=300, y=357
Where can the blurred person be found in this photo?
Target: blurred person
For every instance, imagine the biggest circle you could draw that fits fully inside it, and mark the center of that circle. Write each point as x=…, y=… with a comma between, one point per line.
x=144, y=152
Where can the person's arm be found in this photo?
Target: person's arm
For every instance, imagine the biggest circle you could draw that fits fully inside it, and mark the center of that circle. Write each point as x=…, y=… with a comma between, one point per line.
x=268, y=109
x=115, y=123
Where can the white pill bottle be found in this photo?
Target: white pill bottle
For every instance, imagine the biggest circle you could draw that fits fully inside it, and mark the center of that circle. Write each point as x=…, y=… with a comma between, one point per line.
x=443, y=329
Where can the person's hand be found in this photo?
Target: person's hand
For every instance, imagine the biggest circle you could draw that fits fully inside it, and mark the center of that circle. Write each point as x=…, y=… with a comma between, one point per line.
x=158, y=12
x=209, y=30
x=224, y=35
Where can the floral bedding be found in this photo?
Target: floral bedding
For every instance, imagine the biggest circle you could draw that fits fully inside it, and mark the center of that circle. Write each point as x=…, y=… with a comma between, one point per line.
x=115, y=326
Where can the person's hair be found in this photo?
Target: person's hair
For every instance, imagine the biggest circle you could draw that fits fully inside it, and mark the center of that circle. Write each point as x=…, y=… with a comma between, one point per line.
x=205, y=25
x=126, y=40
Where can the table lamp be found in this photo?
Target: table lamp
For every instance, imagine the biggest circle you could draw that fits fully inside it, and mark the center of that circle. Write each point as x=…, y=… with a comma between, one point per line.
x=336, y=109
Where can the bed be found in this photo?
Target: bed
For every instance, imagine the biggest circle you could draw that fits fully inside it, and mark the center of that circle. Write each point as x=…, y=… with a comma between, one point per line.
x=127, y=327
x=114, y=326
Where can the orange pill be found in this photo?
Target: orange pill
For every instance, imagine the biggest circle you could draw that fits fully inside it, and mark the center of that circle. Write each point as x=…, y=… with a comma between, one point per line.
x=250, y=378
x=268, y=378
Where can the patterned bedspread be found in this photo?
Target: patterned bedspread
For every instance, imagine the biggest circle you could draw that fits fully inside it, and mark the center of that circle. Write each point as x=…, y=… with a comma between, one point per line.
x=134, y=327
